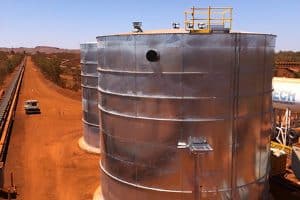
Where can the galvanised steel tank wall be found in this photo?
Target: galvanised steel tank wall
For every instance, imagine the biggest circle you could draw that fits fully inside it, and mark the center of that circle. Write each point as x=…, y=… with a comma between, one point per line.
x=215, y=86
x=89, y=78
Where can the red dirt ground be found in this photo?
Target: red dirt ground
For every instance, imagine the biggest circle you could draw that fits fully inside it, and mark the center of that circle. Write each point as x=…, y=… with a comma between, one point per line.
x=43, y=153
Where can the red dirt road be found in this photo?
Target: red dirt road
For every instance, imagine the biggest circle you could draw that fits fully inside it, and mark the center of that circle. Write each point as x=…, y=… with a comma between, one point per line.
x=43, y=152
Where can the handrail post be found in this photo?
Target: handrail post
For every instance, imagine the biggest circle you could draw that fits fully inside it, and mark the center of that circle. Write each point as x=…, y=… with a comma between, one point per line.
x=209, y=17
x=193, y=15
x=230, y=18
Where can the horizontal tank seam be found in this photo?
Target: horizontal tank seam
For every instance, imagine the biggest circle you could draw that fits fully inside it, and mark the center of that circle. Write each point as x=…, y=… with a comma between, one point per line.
x=149, y=72
x=89, y=62
x=92, y=124
x=89, y=87
x=174, y=191
x=139, y=186
x=170, y=146
x=89, y=75
x=177, y=97
x=158, y=119
x=151, y=97
x=182, y=120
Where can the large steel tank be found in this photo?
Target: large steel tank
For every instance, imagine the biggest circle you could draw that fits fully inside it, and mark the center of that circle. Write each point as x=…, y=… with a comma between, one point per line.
x=89, y=82
x=185, y=116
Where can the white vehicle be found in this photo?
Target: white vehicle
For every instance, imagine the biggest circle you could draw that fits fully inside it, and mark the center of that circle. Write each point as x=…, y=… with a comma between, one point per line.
x=32, y=107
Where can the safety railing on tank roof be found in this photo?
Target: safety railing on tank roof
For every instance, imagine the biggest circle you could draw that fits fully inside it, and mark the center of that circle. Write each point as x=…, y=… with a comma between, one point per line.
x=207, y=20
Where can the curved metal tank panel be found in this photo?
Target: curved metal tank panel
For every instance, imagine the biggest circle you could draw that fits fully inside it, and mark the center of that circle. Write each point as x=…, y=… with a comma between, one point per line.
x=216, y=86
x=89, y=82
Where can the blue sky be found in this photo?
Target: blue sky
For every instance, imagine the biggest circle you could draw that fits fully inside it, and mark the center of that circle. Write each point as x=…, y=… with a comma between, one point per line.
x=67, y=23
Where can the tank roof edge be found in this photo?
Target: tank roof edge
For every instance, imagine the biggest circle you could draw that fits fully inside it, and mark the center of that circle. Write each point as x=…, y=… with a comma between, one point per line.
x=181, y=31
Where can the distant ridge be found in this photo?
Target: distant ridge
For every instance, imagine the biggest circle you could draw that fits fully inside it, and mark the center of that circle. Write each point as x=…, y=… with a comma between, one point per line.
x=42, y=49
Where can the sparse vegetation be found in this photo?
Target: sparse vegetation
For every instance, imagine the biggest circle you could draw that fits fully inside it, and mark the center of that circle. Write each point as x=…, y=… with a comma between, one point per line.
x=287, y=56
x=61, y=68
x=8, y=62
x=291, y=70
x=50, y=67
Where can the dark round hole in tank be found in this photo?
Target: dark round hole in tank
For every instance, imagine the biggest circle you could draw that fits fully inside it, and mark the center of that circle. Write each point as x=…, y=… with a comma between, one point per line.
x=152, y=56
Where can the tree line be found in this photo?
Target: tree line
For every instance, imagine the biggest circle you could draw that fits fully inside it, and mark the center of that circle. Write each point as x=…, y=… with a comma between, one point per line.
x=8, y=62
x=56, y=67
x=287, y=56
x=50, y=67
